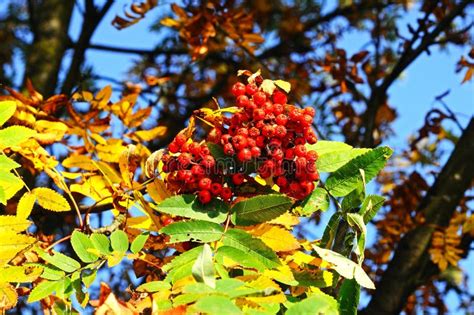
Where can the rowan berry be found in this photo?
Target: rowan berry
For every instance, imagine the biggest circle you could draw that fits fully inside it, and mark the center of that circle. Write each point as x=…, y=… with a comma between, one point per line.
x=242, y=101
x=239, y=142
x=244, y=155
x=205, y=196
x=173, y=147
x=300, y=150
x=259, y=98
x=238, y=89
x=238, y=178
x=229, y=149
x=255, y=151
x=280, y=131
x=281, y=119
x=208, y=161
x=279, y=97
x=258, y=114
x=205, y=183
x=226, y=193
x=251, y=88
x=216, y=189
x=310, y=111
x=254, y=132
x=180, y=139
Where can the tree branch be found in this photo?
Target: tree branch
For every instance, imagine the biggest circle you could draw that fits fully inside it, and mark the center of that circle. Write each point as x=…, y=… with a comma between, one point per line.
x=379, y=93
x=411, y=262
x=136, y=51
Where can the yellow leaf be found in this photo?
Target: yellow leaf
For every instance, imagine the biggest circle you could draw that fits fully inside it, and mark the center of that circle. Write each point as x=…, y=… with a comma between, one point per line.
x=94, y=187
x=20, y=273
x=51, y=200
x=276, y=238
x=7, y=109
x=115, y=258
x=128, y=163
x=285, y=86
x=103, y=97
x=142, y=222
x=11, y=244
x=157, y=190
x=8, y=296
x=287, y=220
x=13, y=223
x=170, y=22
x=25, y=205
x=282, y=274
x=268, y=86
x=149, y=135
x=49, y=131
x=80, y=161
x=15, y=135
x=10, y=183
x=111, y=151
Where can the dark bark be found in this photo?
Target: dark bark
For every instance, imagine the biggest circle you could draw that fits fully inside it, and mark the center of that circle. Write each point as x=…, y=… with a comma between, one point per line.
x=49, y=22
x=411, y=265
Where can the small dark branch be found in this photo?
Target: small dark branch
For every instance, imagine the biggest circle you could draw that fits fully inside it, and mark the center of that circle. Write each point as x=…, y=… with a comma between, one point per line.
x=379, y=93
x=146, y=52
x=411, y=262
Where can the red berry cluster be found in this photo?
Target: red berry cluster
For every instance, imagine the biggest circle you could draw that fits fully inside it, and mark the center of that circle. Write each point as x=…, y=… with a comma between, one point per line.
x=191, y=169
x=274, y=134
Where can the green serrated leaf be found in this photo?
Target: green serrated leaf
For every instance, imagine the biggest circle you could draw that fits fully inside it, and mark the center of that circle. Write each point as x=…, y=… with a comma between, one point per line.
x=81, y=244
x=317, y=201
x=244, y=259
x=119, y=241
x=138, y=243
x=216, y=304
x=15, y=135
x=371, y=206
x=88, y=277
x=7, y=164
x=198, y=231
x=260, y=209
x=348, y=298
x=7, y=109
x=323, y=303
x=59, y=260
x=189, y=207
x=245, y=242
x=10, y=184
x=346, y=178
x=154, y=286
x=50, y=272
x=42, y=290
x=101, y=243
x=181, y=266
x=203, y=269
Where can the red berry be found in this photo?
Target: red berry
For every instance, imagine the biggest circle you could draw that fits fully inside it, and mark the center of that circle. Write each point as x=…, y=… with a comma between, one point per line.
x=238, y=178
x=281, y=119
x=251, y=142
x=208, y=161
x=260, y=141
x=259, y=98
x=300, y=150
x=312, y=155
x=268, y=131
x=216, y=189
x=290, y=154
x=280, y=131
x=278, y=109
x=167, y=221
x=198, y=170
x=282, y=182
x=173, y=147
x=204, y=196
x=238, y=89
x=268, y=108
x=239, y=142
x=310, y=111
x=244, y=155
x=279, y=97
x=226, y=193
x=229, y=149
x=307, y=120
x=184, y=160
x=205, y=183
x=214, y=135
x=243, y=132
x=251, y=88
x=299, y=140
x=180, y=139
x=195, y=149
x=242, y=101
x=258, y=114
x=254, y=132
x=226, y=138
x=255, y=151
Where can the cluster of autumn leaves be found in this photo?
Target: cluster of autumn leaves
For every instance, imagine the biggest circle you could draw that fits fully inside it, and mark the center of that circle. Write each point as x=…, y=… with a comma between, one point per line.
x=243, y=258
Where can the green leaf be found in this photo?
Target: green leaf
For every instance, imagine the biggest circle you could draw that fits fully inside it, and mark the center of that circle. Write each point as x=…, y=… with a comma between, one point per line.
x=101, y=243
x=245, y=242
x=319, y=278
x=63, y=288
x=88, y=277
x=138, y=243
x=15, y=135
x=330, y=230
x=203, y=269
x=354, y=199
x=3, y=198
x=371, y=206
x=7, y=164
x=346, y=178
x=199, y=231
x=332, y=161
x=119, y=241
x=189, y=207
x=59, y=260
x=260, y=209
x=356, y=220
x=323, y=303
x=242, y=258
x=345, y=267
x=216, y=304
x=154, y=286
x=348, y=298
x=50, y=272
x=318, y=200
x=81, y=244
x=10, y=184
x=42, y=290
x=7, y=109
x=181, y=266
x=324, y=147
